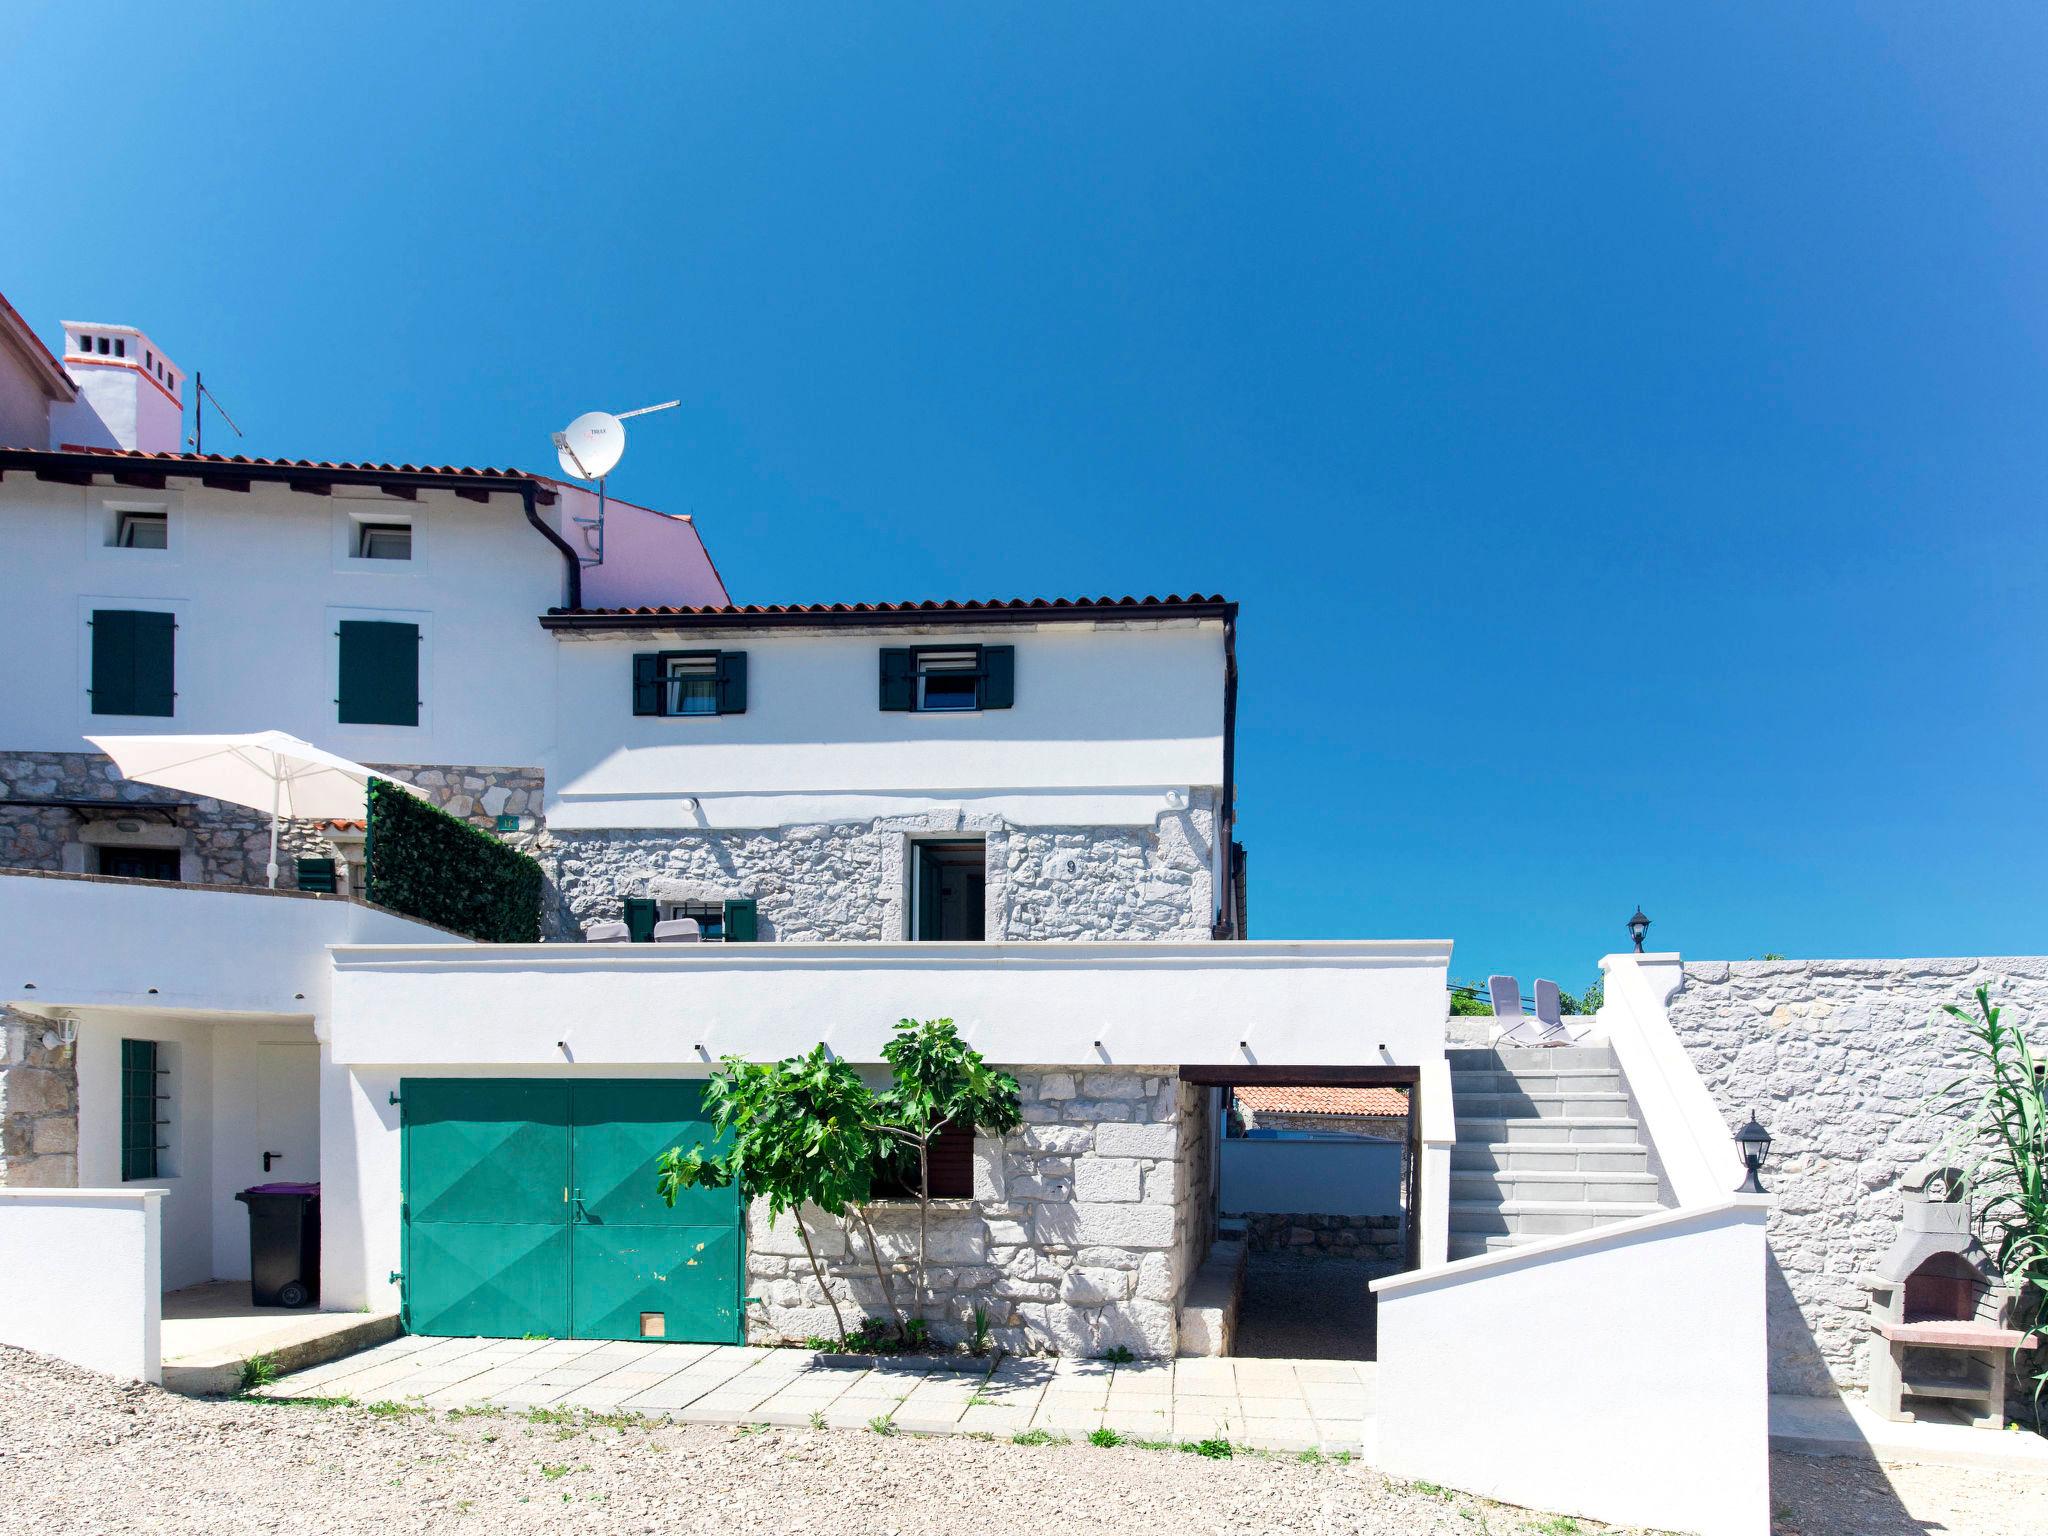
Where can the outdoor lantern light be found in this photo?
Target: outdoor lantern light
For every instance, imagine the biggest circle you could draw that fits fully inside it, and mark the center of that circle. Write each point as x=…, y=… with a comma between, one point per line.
x=1754, y=1142
x=1637, y=927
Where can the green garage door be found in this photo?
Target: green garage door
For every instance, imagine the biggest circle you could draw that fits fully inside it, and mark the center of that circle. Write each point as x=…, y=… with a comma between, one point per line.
x=530, y=1208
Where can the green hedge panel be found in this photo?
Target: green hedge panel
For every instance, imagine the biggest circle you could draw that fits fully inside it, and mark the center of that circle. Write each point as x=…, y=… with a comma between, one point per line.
x=436, y=867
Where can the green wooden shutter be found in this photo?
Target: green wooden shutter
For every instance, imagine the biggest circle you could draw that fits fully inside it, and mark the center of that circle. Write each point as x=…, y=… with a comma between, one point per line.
x=380, y=673
x=898, y=678
x=732, y=682
x=998, y=676
x=138, y=1109
x=133, y=662
x=641, y=916
x=647, y=688
x=742, y=922
x=317, y=875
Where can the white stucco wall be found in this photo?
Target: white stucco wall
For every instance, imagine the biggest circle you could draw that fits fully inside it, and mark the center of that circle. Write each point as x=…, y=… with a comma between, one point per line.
x=81, y=1280
x=258, y=580
x=1618, y=1373
x=1110, y=725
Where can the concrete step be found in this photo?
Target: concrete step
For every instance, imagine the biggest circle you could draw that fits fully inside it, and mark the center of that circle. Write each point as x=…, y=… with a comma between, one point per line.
x=1518, y=1104
x=1549, y=1130
x=1542, y=1218
x=297, y=1342
x=1469, y=1245
x=1570, y=1080
x=1546, y=1059
x=1549, y=1157
x=1208, y=1317
x=1552, y=1185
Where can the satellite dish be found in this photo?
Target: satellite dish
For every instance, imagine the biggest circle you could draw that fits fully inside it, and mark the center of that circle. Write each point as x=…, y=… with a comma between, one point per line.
x=591, y=445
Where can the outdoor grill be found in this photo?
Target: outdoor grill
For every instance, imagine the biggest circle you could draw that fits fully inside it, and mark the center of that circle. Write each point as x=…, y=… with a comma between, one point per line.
x=1938, y=1312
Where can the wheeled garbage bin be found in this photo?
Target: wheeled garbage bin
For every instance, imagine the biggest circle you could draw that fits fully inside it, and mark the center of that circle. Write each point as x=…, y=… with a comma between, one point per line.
x=284, y=1244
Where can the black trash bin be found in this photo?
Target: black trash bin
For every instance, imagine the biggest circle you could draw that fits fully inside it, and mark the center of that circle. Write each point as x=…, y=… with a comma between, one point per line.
x=284, y=1244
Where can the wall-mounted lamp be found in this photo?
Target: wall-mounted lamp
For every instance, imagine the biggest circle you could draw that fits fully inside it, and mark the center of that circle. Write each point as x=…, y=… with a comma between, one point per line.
x=1754, y=1142
x=66, y=1033
x=1638, y=926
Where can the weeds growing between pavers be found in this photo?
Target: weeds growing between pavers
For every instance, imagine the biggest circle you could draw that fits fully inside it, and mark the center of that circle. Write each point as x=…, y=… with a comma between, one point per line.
x=257, y=1371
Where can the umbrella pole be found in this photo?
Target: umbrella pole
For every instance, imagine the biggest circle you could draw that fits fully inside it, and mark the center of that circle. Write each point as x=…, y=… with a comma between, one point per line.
x=276, y=788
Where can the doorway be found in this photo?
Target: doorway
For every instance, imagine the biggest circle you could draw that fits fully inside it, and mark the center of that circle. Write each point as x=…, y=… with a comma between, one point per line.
x=950, y=890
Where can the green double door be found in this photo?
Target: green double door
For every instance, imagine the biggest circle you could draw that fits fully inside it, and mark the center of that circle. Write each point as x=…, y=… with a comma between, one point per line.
x=530, y=1208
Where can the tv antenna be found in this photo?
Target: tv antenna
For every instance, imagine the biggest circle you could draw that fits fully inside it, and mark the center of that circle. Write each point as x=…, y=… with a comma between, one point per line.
x=590, y=448
x=201, y=395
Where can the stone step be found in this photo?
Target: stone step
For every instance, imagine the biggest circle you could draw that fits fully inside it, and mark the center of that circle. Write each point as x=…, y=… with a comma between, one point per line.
x=1552, y=1186
x=1544, y=1059
x=1542, y=1218
x=1518, y=1105
x=1549, y=1157
x=1574, y=1080
x=1549, y=1130
x=1469, y=1245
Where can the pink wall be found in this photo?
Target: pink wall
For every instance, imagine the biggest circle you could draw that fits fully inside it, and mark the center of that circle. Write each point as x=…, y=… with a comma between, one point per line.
x=650, y=558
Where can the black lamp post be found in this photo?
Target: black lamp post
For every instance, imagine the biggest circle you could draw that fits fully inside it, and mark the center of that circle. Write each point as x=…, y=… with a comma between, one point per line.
x=1754, y=1142
x=1637, y=927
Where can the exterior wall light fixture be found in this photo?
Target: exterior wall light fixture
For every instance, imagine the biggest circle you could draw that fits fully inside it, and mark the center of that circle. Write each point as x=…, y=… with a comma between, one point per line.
x=1754, y=1142
x=1638, y=926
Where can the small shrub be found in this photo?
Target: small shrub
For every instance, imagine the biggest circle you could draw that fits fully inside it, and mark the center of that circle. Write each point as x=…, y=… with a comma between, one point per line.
x=1121, y=1355
x=817, y=1418
x=917, y=1333
x=882, y=1424
x=1216, y=1448
x=1105, y=1437
x=817, y=1343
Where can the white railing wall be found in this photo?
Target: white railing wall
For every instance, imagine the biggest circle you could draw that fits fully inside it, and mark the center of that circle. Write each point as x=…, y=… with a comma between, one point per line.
x=1619, y=1373
x=81, y=1277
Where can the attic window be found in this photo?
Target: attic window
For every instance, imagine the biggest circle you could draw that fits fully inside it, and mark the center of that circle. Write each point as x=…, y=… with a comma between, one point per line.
x=84, y=342
x=120, y=347
x=143, y=530
x=103, y=348
x=384, y=541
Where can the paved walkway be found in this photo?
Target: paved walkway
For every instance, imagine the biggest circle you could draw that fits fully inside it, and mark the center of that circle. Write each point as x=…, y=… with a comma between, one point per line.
x=1278, y=1405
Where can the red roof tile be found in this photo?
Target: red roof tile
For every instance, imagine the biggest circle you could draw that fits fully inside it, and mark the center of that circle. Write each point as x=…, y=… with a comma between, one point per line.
x=234, y=461
x=897, y=610
x=1381, y=1102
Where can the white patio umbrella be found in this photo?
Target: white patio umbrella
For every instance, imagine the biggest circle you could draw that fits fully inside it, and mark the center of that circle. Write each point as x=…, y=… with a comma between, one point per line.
x=265, y=770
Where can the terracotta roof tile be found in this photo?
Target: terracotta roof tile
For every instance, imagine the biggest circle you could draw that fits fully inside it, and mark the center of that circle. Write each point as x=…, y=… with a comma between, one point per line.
x=928, y=606
x=234, y=461
x=1324, y=1101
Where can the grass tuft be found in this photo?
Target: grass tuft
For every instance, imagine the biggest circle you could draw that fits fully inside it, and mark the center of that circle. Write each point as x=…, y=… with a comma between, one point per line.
x=257, y=1371
x=1104, y=1437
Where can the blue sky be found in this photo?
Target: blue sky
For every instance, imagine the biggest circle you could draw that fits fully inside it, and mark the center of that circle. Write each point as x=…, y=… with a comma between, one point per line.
x=1623, y=426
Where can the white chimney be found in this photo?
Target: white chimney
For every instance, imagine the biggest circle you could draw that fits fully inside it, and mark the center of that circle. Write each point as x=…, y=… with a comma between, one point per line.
x=129, y=394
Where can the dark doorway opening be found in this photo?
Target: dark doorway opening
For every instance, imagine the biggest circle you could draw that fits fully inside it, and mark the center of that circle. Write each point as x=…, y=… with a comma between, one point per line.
x=951, y=890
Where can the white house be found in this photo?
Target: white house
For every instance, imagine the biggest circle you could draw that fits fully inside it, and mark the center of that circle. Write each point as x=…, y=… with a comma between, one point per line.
x=1016, y=814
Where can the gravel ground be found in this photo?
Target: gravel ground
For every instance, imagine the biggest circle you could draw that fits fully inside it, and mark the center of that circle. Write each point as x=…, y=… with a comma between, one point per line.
x=1306, y=1309
x=81, y=1453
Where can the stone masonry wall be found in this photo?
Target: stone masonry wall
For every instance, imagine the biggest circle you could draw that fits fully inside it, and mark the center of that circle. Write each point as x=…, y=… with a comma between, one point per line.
x=1837, y=1059
x=848, y=880
x=231, y=842
x=1375, y=1239
x=38, y=1107
x=1072, y=1242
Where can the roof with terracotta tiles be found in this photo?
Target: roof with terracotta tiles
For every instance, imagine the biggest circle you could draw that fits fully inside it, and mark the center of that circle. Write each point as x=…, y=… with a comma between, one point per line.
x=232, y=461
x=1380, y=1102
x=1173, y=605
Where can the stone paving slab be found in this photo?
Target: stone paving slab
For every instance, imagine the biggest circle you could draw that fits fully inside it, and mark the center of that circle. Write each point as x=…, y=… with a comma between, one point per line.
x=1278, y=1405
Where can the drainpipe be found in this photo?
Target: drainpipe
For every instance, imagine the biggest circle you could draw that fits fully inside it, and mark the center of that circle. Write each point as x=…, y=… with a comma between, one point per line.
x=526, y=494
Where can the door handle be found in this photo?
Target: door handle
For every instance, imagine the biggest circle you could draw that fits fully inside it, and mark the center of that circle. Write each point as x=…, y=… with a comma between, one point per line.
x=576, y=1211
x=271, y=1157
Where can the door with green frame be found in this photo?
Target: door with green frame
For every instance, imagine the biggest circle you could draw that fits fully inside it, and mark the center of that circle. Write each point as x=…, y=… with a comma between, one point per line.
x=530, y=1208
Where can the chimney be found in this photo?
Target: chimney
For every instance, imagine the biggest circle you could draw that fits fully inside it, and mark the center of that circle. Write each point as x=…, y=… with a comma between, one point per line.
x=129, y=394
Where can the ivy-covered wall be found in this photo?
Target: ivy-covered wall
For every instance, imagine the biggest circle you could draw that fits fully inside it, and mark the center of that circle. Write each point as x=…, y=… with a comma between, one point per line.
x=430, y=865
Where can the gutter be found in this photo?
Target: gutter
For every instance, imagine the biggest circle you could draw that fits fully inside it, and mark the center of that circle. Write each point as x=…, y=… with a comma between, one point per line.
x=569, y=556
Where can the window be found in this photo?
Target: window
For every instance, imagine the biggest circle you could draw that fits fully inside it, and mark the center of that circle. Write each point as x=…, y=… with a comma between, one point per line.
x=948, y=679
x=380, y=673
x=138, y=863
x=143, y=1102
x=949, y=892
x=133, y=662
x=384, y=541
x=149, y=361
x=120, y=347
x=949, y=1165
x=142, y=530
x=690, y=683
x=316, y=875
x=732, y=921
x=102, y=345
x=84, y=342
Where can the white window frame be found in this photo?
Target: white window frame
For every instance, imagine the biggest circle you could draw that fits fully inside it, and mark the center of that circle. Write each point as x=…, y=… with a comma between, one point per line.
x=353, y=512
x=103, y=512
x=968, y=666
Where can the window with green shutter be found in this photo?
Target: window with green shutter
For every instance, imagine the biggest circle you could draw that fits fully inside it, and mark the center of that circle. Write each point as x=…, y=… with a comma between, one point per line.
x=317, y=875
x=380, y=673
x=742, y=922
x=134, y=668
x=141, y=1104
x=641, y=916
x=678, y=683
x=948, y=679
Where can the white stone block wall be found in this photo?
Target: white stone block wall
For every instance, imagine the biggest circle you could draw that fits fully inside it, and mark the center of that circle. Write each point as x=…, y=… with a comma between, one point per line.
x=849, y=880
x=38, y=1106
x=1075, y=1242
x=1837, y=1059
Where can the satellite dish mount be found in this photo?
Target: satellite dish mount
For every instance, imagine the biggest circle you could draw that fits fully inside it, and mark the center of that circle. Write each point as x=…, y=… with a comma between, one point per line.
x=590, y=448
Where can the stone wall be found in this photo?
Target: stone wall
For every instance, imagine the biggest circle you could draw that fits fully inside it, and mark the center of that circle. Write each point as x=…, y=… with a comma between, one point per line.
x=847, y=881
x=38, y=1107
x=1837, y=1059
x=1072, y=1242
x=226, y=844
x=1378, y=1240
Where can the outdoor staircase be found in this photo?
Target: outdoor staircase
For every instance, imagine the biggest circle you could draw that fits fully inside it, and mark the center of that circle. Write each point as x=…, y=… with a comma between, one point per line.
x=1546, y=1145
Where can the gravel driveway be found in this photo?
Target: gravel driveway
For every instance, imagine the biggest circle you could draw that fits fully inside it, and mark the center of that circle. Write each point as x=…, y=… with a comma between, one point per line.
x=80, y=1453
